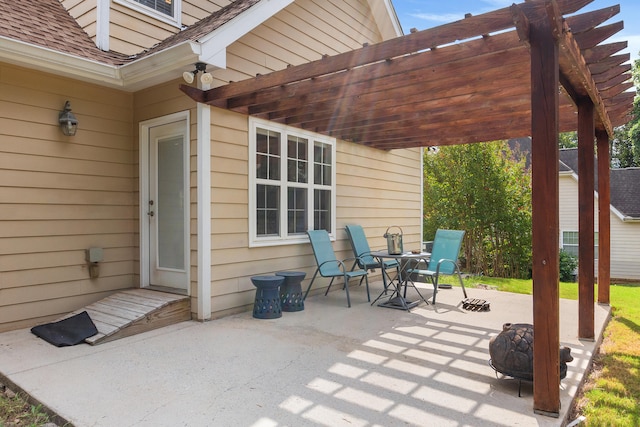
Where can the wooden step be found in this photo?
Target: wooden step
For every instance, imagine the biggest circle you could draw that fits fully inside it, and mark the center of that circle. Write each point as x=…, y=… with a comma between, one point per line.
x=134, y=311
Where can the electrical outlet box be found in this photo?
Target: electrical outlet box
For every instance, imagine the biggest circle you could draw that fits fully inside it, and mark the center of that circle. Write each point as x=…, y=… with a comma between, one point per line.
x=93, y=254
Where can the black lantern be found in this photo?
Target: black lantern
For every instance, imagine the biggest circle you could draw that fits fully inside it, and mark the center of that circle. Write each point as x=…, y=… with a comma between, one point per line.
x=68, y=121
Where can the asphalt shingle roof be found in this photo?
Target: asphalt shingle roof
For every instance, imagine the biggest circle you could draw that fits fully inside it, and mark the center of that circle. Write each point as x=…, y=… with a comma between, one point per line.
x=625, y=191
x=624, y=184
x=46, y=23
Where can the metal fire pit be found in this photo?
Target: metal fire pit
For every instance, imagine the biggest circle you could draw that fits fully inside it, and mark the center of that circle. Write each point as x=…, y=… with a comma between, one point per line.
x=511, y=353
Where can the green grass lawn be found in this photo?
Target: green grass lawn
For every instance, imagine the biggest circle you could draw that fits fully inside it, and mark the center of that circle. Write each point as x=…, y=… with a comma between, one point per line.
x=611, y=395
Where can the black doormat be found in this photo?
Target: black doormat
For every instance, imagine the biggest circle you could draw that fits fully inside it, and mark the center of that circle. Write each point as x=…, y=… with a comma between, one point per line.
x=70, y=331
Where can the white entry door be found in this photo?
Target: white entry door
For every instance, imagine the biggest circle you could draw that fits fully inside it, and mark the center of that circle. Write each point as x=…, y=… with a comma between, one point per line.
x=165, y=206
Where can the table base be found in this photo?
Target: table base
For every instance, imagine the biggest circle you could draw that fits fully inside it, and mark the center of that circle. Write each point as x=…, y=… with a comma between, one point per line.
x=399, y=303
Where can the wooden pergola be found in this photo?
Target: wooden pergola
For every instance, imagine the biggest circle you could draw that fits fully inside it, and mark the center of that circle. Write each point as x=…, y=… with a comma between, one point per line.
x=533, y=69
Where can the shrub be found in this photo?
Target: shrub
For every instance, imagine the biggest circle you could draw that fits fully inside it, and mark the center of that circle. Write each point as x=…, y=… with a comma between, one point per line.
x=568, y=264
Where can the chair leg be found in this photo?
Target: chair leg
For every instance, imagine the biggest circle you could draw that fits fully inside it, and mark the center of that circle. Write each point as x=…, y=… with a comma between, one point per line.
x=464, y=291
x=309, y=287
x=434, y=280
x=329, y=287
x=346, y=288
x=366, y=278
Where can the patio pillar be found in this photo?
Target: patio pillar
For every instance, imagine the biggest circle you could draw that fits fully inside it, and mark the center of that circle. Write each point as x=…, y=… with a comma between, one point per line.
x=203, y=162
x=604, y=217
x=586, y=255
x=545, y=222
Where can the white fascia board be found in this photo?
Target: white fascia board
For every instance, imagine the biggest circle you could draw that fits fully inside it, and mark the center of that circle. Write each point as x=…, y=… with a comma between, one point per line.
x=160, y=67
x=43, y=59
x=145, y=72
x=623, y=217
x=214, y=44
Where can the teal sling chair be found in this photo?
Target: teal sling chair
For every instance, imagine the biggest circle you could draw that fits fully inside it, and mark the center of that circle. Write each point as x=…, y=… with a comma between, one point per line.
x=444, y=259
x=329, y=265
x=362, y=252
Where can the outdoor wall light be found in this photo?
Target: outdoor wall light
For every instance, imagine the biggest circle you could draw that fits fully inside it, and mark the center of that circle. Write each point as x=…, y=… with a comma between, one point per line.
x=67, y=120
x=201, y=67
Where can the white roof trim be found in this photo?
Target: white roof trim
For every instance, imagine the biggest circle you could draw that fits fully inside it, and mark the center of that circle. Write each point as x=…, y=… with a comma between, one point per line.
x=145, y=72
x=149, y=70
x=52, y=61
x=159, y=67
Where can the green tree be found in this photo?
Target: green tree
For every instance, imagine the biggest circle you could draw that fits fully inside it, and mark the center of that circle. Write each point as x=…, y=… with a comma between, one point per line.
x=625, y=147
x=568, y=140
x=485, y=190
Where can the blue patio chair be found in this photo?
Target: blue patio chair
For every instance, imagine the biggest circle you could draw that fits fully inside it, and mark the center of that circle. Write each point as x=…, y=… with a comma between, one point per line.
x=444, y=259
x=329, y=265
x=362, y=252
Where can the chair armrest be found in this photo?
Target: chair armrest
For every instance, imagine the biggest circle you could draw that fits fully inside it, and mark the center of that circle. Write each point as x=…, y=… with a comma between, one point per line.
x=446, y=260
x=341, y=265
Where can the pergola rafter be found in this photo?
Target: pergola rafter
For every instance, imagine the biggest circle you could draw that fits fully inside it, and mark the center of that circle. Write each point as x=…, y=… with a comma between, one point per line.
x=433, y=78
x=524, y=70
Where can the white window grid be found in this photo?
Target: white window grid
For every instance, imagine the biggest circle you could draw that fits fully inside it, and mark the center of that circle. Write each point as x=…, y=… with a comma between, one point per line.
x=298, y=177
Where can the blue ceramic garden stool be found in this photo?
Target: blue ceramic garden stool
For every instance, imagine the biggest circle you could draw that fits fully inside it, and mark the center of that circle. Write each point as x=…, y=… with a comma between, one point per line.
x=267, y=303
x=291, y=298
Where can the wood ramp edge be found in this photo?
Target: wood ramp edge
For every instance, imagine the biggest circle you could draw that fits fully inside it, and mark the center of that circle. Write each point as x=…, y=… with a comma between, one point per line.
x=134, y=311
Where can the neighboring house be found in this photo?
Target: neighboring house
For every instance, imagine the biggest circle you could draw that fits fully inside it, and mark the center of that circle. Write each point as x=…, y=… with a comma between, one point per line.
x=625, y=215
x=144, y=149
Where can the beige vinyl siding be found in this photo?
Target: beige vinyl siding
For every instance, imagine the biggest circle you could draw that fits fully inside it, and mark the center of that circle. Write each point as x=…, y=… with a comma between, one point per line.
x=303, y=32
x=625, y=250
x=568, y=208
x=131, y=31
x=85, y=13
x=61, y=195
x=374, y=188
x=195, y=10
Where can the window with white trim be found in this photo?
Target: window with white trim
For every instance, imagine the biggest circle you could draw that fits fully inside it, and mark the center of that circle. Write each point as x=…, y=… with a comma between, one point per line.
x=165, y=10
x=570, y=242
x=292, y=183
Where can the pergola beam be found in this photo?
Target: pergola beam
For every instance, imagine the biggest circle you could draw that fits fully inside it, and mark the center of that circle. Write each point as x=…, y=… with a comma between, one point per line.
x=407, y=81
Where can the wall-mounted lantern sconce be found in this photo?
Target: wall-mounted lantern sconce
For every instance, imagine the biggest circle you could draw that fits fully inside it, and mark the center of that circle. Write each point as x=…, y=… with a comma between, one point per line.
x=201, y=67
x=68, y=121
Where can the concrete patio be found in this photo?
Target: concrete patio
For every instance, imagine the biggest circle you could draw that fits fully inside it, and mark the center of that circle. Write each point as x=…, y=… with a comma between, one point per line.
x=327, y=365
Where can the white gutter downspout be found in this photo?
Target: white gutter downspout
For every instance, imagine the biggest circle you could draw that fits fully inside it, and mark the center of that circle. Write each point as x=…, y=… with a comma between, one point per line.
x=102, y=25
x=204, y=208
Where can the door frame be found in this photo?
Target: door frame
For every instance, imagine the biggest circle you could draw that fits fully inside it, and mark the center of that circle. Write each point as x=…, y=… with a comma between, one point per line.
x=143, y=178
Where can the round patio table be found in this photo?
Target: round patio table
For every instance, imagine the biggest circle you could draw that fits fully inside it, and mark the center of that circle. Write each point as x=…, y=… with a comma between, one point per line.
x=267, y=302
x=291, y=298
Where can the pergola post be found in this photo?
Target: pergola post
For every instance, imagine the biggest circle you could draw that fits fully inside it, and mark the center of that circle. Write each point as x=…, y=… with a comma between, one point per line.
x=545, y=223
x=586, y=180
x=604, y=217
